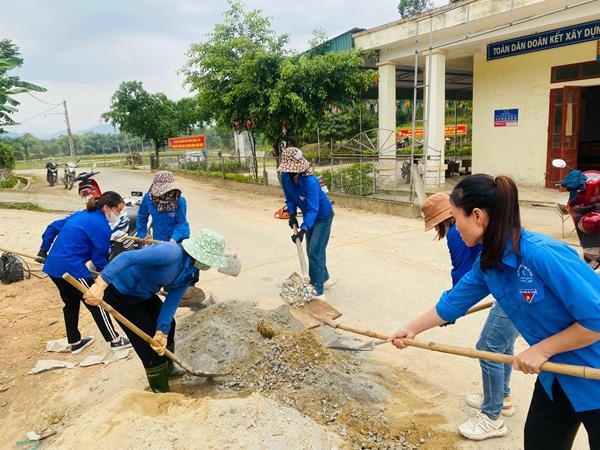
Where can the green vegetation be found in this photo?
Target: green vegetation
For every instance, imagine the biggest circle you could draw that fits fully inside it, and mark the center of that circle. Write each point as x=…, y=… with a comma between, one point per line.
x=357, y=179
x=10, y=183
x=23, y=206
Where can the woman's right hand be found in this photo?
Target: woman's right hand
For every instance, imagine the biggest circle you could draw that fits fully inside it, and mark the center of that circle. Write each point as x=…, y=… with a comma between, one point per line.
x=396, y=337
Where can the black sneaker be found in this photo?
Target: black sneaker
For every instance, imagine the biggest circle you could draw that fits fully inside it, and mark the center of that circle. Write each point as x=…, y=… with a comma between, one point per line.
x=122, y=343
x=83, y=343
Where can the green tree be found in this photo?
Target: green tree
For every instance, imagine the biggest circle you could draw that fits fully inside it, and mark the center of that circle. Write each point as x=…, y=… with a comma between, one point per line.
x=234, y=71
x=11, y=85
x=409, y=8
x=149, y=116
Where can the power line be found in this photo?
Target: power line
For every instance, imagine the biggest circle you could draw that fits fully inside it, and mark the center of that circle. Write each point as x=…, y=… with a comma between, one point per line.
x=40, y=114
x=40, y=100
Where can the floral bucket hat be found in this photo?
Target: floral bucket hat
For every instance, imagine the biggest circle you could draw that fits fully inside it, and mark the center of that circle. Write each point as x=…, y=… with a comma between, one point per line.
x=208, y=248
x=436, y=209
x=164, y=181
x=293, y=161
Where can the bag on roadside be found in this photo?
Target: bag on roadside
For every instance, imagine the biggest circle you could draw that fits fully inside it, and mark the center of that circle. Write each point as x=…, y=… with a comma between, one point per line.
x=12, y=268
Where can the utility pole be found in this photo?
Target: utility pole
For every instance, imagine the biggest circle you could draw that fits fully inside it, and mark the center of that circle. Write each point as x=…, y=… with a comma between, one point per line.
x=71, y=148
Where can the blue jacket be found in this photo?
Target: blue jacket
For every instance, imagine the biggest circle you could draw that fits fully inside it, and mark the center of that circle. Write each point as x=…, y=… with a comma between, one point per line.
x=51, y=232
x=83, y=236
x=544, y=290
x=462, y=257
x=308, y=196
x=141, y=273
x=166, y=225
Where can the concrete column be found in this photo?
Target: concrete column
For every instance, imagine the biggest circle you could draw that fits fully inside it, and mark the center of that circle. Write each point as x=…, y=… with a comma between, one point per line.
x=435, y=107
x=387, y=109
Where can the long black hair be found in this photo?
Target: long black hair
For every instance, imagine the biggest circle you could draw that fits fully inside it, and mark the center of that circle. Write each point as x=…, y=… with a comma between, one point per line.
x=499, y=197
x=109, y=198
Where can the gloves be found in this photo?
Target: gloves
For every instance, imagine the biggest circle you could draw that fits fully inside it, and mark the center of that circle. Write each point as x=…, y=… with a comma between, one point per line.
x=299, y=235
x=95, y=294
x=41, y=256
x=161, y=339
x=293, y=221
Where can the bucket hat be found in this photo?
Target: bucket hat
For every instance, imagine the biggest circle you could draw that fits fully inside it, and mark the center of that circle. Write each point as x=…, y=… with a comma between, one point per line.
x=293, y=161
x=436, y=209
x=208, y=248
x=164, y=181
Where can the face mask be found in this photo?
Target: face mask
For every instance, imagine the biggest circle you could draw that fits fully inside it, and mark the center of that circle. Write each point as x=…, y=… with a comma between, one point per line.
x=112, y=217
x=200, y=266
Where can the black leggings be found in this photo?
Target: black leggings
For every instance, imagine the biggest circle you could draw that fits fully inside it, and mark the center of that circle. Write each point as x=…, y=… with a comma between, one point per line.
x=72, y=299
x=554, y=424
x=142, y=312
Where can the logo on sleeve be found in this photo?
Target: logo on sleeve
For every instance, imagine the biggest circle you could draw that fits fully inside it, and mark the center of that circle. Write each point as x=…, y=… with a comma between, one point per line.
x=528, y=294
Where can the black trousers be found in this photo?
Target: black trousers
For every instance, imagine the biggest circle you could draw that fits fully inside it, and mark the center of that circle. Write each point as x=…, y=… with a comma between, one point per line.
x=552, y=425
x=142, y=312
x=72, y=299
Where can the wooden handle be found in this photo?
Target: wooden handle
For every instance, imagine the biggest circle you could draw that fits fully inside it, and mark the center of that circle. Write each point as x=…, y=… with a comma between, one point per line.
x=35, y=257
x=301, y=254
x=138, y=239
x=563, y=369
x=123, y=320
x=480, y=307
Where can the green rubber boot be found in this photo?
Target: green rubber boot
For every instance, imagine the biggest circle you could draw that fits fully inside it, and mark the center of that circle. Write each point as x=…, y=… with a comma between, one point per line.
x=158, y=378
x=174, y=370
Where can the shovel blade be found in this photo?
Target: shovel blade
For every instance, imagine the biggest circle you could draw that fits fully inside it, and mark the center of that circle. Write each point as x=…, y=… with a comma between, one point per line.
x=311, y=314
x=233, y=267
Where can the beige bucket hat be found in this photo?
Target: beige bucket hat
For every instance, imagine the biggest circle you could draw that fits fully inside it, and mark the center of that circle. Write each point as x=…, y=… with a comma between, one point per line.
x=208, y=248
x=436, y=209
x=293, y=161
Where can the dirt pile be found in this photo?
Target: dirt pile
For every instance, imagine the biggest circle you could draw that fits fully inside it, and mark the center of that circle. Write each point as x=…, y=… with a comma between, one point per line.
x=293, y=368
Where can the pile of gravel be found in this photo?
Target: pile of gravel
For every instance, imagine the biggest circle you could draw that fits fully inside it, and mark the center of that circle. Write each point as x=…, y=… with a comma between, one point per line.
x=295, y=291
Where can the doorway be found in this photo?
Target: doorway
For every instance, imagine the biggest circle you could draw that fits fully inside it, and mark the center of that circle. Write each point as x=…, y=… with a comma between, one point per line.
x=573, y=132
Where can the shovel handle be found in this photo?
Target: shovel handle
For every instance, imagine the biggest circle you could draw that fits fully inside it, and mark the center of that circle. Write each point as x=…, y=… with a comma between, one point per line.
x=563, y=369
x=300, y=254
x=482, y=306
x=138, y=239
x=126, y=322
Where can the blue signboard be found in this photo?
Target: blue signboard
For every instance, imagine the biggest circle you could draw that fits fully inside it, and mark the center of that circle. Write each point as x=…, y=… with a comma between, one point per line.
x=506, y=117
x=543, y=41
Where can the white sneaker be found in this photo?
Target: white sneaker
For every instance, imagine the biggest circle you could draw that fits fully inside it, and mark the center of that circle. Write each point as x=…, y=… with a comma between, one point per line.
x=329, y=283
x=481, y=427
x=319, y=297
x=475, y=401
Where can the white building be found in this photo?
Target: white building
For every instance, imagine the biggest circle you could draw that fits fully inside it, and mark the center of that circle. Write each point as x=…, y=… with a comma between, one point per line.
x=535, y=67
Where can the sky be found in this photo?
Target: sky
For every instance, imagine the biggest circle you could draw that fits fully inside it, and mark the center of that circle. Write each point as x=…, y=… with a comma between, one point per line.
x=81, y=50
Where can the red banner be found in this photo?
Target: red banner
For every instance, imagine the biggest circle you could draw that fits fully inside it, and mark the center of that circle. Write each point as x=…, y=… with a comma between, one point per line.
x=449, y=130
x=187, y=142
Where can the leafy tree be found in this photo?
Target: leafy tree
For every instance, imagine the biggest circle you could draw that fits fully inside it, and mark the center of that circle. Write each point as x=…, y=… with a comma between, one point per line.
x=234, y=71
x=409, y=8
x=149, y=116
x=11, y=85
x=348, y=122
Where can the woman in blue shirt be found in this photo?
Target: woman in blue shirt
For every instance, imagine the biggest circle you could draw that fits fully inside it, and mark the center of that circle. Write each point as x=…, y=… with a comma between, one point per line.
x=552, y=297
x=498, y=334
x=72, y=242
x=129, y=283
x=166, y=206
x=303, y=190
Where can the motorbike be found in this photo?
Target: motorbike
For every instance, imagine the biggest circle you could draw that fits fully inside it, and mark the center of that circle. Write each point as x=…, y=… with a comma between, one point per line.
x=88, y=187
x=51, y=173
x=70, y=174
x=584, y=207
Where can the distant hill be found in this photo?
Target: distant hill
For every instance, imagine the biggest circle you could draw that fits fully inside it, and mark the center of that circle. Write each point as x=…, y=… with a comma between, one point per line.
x=102, y=128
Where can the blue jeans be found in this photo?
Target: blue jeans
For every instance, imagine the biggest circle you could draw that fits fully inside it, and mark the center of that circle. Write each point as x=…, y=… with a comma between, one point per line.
x=498, y=335
x=316, y=245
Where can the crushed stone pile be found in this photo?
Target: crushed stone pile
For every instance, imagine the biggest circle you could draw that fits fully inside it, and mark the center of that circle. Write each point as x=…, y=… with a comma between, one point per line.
x=291, y=366
x=295, y=291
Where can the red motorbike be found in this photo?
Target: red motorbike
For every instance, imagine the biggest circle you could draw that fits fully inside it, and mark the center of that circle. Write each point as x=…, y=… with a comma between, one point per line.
x=584, y=207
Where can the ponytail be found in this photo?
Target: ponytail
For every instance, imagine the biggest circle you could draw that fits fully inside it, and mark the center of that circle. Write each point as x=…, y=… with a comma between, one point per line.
x=500, y=199
x=109, y=198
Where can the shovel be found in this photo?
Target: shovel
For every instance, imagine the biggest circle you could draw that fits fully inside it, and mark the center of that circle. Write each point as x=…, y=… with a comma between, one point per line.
x=563, y=369
x=34, y=257
x=123, y=320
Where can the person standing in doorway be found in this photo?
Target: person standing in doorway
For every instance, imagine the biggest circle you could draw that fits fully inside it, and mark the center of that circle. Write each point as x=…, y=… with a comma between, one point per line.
x=498, y=334
x=303, y=190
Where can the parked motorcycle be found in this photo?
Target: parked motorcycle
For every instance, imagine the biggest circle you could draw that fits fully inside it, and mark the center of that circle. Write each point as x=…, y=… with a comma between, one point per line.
x=70, y=174
x=51, y=173
x=584, y=208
